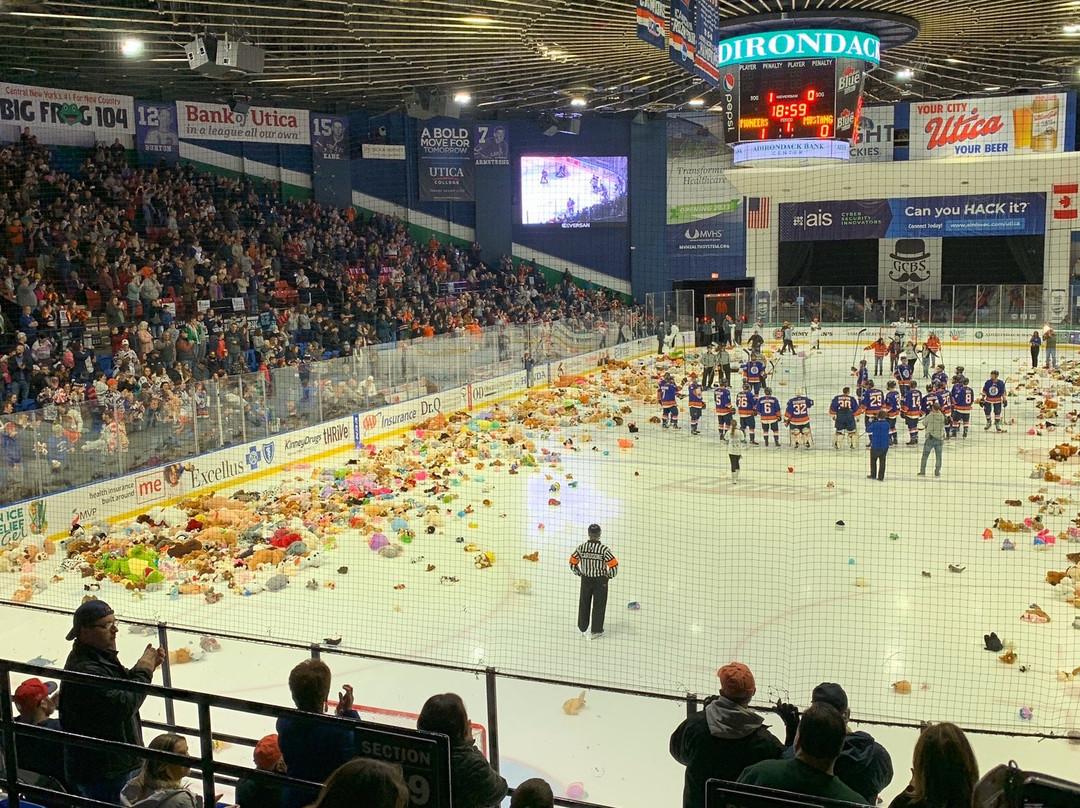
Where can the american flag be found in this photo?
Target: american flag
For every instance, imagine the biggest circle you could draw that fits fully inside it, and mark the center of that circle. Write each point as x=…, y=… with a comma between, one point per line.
x=757, y=213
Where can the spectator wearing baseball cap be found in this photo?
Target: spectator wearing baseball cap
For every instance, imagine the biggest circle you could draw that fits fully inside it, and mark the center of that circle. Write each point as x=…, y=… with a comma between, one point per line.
x=864, y=765
x=724, y=738
x=98, y=711
x=254, y=792
x=34, y=700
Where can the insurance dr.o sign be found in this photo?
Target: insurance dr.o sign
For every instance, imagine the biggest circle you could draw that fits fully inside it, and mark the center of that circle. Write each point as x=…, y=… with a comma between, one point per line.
x=799, y=44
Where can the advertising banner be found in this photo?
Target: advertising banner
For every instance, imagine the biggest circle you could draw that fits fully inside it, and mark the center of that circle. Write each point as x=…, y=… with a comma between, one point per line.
x=329, y=137
x=198, y=121
x=491, y=146
x=874, y=139
x=706, y=234
x=909, y=268
x=652, y=22
x=44, y=108
x=155, y=131
x=989, y=127
x=446, y=161
x=850, y=75
x=920, y=217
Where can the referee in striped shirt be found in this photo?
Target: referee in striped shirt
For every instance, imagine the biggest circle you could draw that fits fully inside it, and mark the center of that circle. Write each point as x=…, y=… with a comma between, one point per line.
x=595, y=564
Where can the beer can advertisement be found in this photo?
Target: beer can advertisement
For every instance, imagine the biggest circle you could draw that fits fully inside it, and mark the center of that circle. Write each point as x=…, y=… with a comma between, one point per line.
x=990, y=127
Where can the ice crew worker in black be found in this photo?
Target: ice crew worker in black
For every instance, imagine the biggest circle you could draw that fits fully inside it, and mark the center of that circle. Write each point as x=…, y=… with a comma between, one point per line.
x=594, y=563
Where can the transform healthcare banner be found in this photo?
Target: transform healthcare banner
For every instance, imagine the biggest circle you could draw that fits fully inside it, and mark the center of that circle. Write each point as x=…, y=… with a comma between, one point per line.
x=198, y=121
x=706, y=234
x=918, y=217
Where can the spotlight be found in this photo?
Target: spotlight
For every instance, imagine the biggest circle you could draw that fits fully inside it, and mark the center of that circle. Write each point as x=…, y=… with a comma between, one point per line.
x=462, y=98
x=131, y=46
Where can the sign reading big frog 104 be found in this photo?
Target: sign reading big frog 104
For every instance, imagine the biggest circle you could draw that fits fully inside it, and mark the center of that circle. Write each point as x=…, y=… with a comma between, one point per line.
x=46, y=109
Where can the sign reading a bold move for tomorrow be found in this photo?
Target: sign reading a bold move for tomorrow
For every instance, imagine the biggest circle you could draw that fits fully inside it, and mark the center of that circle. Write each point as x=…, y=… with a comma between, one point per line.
x=799, y=44
x=446, y=161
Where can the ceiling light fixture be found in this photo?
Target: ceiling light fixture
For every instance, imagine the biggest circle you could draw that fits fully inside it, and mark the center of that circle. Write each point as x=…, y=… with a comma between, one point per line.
x=1070, y=30
x=477, y=20
x=696, y=102
x=993, y=88
x=578, y=101
x=462, y=98
x=131, y=46
x=905, y=74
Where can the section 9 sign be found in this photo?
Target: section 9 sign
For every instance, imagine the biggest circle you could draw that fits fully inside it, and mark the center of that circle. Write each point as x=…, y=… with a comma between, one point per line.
x=424, y=758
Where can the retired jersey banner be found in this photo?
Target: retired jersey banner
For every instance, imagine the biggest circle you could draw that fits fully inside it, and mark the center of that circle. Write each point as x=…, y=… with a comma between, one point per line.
x=706, y=26
x=155, y=131
x=329, y=137
x=43, y=108
x=991, y=127
x=446, y=160
x=198, y=121
x=909, y=268
x=491, y=145
x=652, y=22
x=682, y=39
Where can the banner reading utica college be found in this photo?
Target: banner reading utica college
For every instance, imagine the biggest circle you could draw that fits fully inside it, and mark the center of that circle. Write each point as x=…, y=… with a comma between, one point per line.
x=196, y=121
x=48, y=108
x=446, y=161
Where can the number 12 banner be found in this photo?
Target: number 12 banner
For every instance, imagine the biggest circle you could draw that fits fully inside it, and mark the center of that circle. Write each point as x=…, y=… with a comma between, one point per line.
x=155, y=131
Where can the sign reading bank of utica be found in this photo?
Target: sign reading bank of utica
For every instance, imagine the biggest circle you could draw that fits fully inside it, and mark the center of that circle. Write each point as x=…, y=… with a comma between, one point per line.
x=799, y=44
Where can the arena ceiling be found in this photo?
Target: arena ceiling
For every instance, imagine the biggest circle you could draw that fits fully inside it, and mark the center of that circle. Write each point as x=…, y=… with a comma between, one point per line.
x=509, y=55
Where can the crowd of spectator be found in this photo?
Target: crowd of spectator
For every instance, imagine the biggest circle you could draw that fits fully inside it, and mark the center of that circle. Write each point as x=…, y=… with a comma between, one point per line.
x=820, y=755
x=132, y=299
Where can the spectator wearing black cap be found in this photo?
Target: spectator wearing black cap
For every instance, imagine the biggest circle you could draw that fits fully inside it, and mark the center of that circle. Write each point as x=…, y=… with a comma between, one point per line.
x=35, y=702
x=811, y=771
x=99, y=712
x=864, y=765
x=725, y=737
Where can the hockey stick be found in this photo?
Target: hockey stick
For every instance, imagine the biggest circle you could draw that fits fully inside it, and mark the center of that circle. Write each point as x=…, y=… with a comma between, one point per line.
x=858, y=342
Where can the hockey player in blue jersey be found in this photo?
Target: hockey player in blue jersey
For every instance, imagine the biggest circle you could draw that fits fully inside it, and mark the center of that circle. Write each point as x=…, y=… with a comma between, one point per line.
x=724, y=410
x=902, y=374
x=754, y=373
x=873, y=402
x=797, y=418
x=994, y=400
x=845, y=408
x=911, y=407
x=768, y=407
x=963, y=398
x=695, y=402
x=746, y=404
x=668, y=395
x=940, y=376
x=892, y=408
x=862, y=376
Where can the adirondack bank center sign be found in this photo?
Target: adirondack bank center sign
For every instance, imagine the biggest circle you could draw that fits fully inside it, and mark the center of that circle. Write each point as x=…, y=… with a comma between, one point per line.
x=799, y=44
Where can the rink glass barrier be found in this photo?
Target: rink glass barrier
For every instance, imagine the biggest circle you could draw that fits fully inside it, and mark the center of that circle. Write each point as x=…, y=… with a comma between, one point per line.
x=417, y=634
x=62, y=446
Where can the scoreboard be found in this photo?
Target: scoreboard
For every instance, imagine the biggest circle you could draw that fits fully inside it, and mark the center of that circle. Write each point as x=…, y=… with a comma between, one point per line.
x=795, y=100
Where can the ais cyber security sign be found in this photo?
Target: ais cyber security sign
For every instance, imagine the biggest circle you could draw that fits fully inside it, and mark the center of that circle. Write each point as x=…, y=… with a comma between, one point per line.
x=799, y=44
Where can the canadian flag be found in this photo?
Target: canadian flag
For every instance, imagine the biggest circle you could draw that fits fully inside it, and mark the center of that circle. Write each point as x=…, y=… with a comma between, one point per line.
x=1066, y=202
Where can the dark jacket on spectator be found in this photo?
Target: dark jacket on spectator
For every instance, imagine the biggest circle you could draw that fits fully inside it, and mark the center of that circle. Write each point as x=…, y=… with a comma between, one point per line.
x=473, y=783
x=40, y=755
x=101, y=713
x=864, y=765
x=720, y=741
x=312, y=750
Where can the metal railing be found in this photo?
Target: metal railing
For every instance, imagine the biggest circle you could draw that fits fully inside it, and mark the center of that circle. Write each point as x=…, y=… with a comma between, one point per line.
x=492, y=678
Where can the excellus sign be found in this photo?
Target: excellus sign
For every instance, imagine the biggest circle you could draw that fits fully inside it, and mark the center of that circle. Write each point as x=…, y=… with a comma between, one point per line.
x=799, y=44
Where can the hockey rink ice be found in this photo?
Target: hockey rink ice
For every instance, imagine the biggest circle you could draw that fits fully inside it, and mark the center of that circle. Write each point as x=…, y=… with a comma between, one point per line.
x=757, y=572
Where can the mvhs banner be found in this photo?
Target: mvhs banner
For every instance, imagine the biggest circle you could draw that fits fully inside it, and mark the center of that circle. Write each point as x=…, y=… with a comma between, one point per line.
x=909, y=268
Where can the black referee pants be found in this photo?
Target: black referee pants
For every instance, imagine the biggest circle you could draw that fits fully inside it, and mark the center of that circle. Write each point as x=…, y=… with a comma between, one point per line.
x=593, y=600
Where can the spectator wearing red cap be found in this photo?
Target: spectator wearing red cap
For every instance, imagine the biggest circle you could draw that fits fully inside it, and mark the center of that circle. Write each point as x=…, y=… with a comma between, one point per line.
x=100, y=712
x=34, y=700
x=725, y=737
x=254, y=792
x=864, y=765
